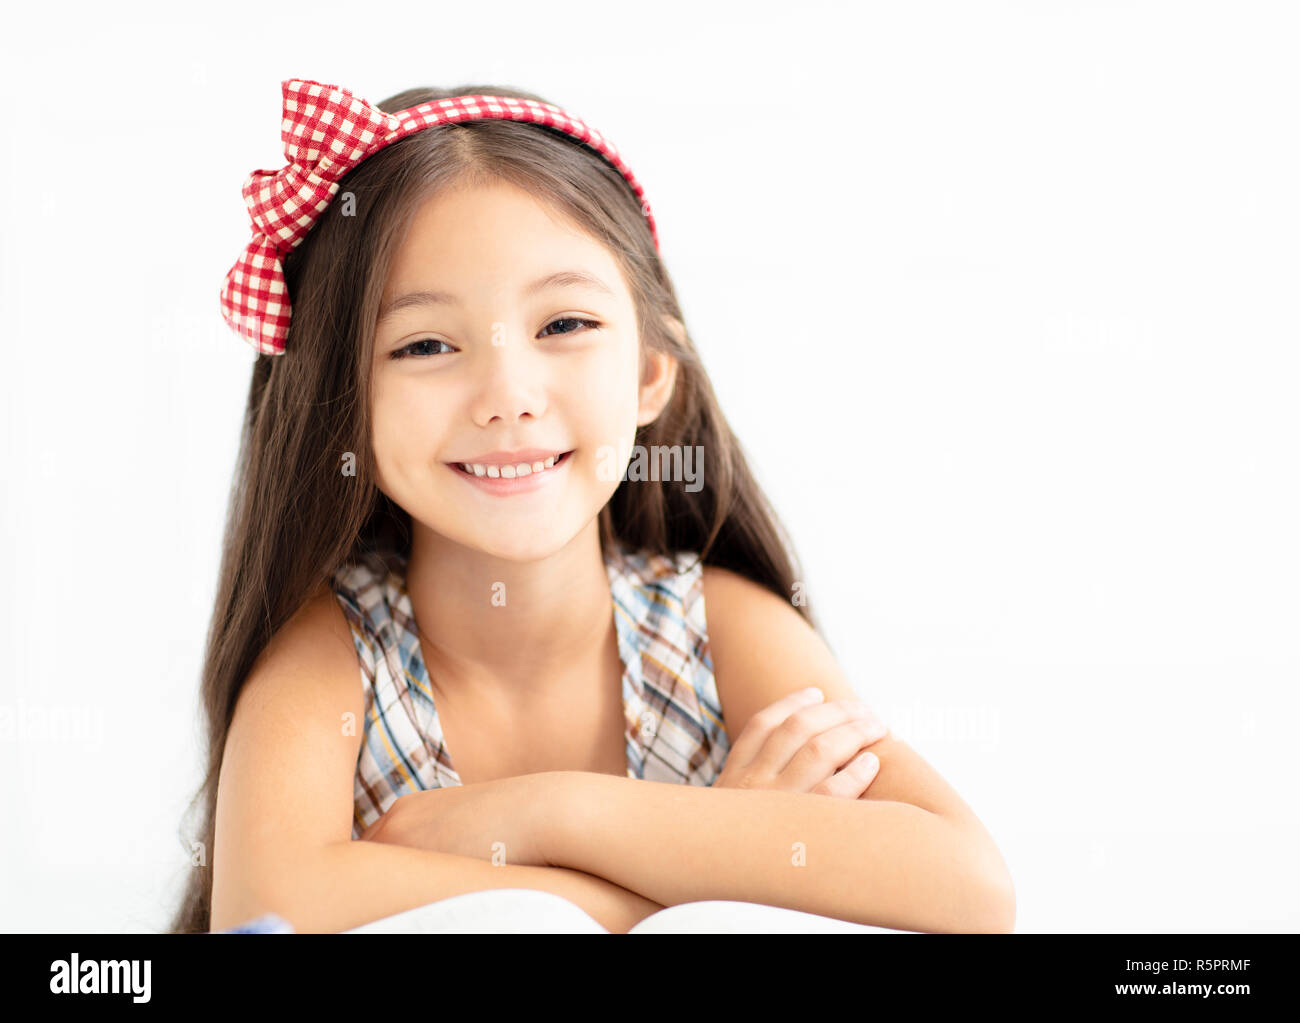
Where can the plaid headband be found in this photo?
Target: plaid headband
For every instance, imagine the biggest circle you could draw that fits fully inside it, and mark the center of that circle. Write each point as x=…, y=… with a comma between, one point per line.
x=327, y=131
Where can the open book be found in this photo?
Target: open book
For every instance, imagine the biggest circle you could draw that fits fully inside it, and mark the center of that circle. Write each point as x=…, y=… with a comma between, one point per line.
x=529, y=911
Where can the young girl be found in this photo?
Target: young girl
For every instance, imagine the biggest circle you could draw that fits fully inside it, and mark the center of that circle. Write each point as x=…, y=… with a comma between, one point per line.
x=483, y=471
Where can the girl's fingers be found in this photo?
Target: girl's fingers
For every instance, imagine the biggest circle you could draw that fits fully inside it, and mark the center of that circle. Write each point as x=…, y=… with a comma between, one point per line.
x=760, y=726
x=853, y=780
x=828, y=752
x=807, y=725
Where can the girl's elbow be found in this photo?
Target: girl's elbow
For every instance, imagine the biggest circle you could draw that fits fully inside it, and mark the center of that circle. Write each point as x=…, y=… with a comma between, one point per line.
x=988, y=893
x=990, y=903
x=1001, y=904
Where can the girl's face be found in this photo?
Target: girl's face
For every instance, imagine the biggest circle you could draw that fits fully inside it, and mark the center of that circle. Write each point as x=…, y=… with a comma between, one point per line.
x=504, y=327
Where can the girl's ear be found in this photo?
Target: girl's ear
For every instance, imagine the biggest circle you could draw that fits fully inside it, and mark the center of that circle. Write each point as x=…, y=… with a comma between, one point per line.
x=659, y=374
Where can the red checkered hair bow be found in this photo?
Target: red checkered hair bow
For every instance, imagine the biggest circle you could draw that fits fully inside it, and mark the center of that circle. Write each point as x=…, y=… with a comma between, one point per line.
x=327, y=131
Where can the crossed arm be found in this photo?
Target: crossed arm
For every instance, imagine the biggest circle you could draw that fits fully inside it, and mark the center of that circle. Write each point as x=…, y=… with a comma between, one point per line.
x=909, y=854
x=878, y=862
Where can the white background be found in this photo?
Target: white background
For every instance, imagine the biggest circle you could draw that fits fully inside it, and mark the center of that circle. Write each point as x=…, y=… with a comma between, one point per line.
x=1000, y=298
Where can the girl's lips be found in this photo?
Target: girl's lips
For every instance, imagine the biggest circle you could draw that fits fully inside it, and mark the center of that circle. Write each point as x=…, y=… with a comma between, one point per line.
x=519, y=485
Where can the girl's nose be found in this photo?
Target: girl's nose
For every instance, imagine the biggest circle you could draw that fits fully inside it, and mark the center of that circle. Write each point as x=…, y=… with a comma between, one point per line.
x=509, y=377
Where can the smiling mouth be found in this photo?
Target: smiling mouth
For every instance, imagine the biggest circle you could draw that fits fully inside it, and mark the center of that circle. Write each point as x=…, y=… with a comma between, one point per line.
x=460, y=468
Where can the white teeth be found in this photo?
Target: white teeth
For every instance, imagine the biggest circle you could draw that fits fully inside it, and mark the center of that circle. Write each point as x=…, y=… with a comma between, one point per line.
x=508, y=471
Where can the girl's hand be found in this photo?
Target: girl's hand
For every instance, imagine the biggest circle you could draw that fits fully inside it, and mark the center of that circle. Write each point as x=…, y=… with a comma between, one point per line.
x=802, y=744
x=498, y=820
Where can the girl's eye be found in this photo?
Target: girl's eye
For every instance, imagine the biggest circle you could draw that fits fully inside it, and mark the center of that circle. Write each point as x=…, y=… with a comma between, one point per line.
x=591, y=324
x=419, y=347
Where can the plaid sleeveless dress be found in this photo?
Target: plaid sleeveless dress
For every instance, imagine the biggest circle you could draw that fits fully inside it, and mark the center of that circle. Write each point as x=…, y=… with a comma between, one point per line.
x=673, y=727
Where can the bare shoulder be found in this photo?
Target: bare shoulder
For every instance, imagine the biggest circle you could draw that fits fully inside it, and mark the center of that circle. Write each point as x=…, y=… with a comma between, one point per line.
x=310, y=655
x=317, y=632
x=763, y=650
x=287, y=771
x=307, y=673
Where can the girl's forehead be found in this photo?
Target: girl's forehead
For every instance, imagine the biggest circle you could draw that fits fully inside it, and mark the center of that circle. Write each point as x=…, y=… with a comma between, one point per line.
x=486, y=207
x=490, y=239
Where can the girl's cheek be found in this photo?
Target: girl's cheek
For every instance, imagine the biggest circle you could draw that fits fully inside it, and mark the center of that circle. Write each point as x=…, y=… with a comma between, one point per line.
x=392, y=446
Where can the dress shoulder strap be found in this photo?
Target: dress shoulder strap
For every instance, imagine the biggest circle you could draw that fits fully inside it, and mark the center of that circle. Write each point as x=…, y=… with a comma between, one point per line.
x=366, y=588
x=663, y=637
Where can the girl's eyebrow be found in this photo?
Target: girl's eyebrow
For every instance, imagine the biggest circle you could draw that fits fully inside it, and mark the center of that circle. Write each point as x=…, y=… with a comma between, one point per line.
x=559, y=279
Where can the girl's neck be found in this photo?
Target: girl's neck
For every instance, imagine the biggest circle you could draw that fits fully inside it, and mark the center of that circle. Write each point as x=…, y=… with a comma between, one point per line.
x=505, y=631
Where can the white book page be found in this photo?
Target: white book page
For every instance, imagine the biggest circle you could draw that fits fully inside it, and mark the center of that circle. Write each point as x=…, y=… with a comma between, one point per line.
x=494, y=911
x=723, y=917
x=529, y=911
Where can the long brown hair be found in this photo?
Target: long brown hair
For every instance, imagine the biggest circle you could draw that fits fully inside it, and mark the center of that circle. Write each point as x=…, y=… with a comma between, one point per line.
x=294, y=517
